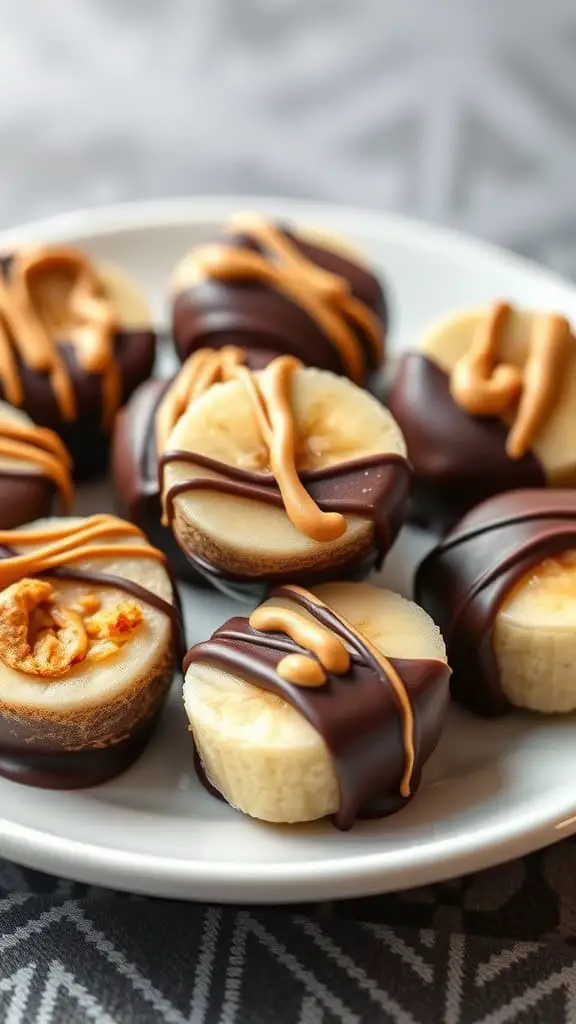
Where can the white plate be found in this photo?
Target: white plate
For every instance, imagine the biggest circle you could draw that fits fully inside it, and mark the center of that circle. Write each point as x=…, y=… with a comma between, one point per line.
x=491, y=791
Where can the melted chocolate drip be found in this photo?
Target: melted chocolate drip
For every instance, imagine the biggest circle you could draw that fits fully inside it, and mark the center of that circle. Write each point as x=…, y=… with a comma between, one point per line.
x=375, y=487
x=356, y=713
x=463, y=582
x=254, y=315
x=458, y=460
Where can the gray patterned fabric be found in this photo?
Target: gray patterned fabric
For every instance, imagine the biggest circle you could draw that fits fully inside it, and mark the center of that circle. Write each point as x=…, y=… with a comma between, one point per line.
x=459, y=111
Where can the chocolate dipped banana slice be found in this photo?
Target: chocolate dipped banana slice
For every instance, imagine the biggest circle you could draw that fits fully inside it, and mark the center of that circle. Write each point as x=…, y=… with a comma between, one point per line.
x=142, y=429
x=75, y=341
x=90, y=636
x=502, y=588
x=323, y=702
x=290, y=473
x=299, y=293
x=487, y=404
x=35, y=470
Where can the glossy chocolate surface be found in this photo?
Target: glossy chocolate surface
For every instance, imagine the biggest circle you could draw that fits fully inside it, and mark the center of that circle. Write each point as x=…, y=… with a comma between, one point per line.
x=357, y=713
x=25, y=497
x=463, y=582
x=458, y=460
x=253, y=315
x=377, y=488
x=87, y=442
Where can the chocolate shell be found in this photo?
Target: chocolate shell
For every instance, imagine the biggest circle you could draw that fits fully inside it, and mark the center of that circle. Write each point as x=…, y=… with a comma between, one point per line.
x=463, y=582
x=458, y=460
x=356, y=713
x=253, y=315
x=376, y=488
x=84, y=437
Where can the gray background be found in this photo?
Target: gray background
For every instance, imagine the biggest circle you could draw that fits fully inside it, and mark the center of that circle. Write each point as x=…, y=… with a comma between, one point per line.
x=459, y=111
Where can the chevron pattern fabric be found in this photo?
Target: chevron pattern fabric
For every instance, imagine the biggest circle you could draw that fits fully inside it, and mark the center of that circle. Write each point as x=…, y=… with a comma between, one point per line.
x=494, y=948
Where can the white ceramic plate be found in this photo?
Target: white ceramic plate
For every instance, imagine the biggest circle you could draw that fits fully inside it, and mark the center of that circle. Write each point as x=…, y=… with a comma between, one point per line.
x=492, y=790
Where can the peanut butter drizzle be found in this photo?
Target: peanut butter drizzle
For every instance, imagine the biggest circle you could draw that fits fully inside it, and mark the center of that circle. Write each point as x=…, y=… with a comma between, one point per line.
x=42, y=448
x=390, y=673
x=324, y=296
x=331, y=653
x=269, y=393
x=199, y=372
x=31, y=327
x=484, y=387
x=58, y=547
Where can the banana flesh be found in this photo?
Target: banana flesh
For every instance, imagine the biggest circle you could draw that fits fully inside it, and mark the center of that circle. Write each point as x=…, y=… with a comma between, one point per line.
x=256, y=749
x=535, y=638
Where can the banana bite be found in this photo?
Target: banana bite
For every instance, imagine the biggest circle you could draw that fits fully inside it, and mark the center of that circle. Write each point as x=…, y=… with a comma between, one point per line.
x=487, y=404
x=502, y=588
x=90, y=638
x=323, y=702
x=289, y=474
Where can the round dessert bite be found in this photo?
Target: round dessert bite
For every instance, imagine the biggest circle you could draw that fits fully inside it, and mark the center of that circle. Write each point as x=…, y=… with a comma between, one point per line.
x=75, y=341
x=287, y=474
x=502, y=588
x=263, y=286
x=35, y=469
x=323, y=702
x=90, y=636
x=487, y=404
x=142, y=429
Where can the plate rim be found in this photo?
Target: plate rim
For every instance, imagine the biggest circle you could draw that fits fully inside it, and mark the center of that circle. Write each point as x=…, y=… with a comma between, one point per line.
x=357, y=873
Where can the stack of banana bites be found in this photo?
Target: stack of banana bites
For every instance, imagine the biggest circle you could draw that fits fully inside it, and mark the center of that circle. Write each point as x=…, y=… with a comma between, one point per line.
x=281, y=478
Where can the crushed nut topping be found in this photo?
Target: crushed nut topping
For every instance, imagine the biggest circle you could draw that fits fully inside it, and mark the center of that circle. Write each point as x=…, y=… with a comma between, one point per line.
x=44, y=638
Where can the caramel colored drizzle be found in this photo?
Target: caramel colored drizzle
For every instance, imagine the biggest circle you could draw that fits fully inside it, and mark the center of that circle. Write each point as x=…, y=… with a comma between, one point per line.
x=389, y=671
x=269, y=393
x=61, y=547
x=483, y=387
x=30, y=325
x=324, y=296
x=200, y=371
x=297, y=668
x=43, y=448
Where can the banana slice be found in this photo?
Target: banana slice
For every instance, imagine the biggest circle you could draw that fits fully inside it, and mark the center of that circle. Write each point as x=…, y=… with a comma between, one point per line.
x=535, y=638
x=266, y=758
x=89, y=723
x=446, y=342
x=335, y=422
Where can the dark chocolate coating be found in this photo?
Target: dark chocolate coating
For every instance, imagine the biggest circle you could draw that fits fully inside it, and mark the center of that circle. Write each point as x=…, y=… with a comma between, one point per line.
x=463, y=582
x=26, y=758
x=35, y=765
x=458, y=460
x=24, y=497
x=254, y=315
x=376, y=487
x=84, y=437
x=356, y=713
x=135, y=468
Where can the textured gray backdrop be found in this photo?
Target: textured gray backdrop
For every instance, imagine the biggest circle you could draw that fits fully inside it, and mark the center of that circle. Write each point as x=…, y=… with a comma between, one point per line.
x=460, y=111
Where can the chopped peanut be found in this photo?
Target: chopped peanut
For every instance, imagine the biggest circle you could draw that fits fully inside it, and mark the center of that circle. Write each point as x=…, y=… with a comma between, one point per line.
x=46, y=639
